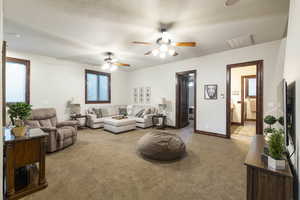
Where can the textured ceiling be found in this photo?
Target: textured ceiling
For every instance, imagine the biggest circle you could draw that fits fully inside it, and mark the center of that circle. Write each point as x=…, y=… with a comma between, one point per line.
x=82, y=30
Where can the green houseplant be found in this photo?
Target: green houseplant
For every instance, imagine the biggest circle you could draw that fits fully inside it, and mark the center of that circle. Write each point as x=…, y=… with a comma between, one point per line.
x=18, y=113
x=270, y=120
x=276, y=149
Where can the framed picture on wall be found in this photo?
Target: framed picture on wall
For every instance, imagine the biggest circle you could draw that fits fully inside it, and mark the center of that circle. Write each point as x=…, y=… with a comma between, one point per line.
x=135, y=96
x=141, y=95
x=148, y=95
x=211, y=91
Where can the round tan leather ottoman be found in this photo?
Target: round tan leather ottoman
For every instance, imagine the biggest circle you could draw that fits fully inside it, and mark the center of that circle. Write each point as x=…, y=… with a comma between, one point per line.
x=160, y=145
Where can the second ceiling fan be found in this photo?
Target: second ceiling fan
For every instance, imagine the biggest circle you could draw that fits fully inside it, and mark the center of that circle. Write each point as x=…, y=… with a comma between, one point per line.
x=164, y=45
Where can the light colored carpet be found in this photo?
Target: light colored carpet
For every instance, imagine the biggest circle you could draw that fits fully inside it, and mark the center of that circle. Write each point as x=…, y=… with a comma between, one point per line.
x=105, y=166
x=249, y=129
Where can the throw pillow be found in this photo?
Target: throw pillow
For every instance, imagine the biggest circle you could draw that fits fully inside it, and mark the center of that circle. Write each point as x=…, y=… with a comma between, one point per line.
x=123, y=111
x=98, y=112
x=138, y=114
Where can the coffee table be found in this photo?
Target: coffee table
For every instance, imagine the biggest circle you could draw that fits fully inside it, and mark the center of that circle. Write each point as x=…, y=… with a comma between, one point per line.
x=119, y=125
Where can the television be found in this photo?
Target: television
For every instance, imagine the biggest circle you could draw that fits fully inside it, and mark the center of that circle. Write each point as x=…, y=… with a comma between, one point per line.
x=290, y=114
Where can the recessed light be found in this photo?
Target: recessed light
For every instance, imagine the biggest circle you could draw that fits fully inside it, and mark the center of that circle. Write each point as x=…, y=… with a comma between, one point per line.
x=230, y=2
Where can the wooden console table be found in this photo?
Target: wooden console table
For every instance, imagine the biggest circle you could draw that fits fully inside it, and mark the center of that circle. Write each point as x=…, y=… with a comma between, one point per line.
x=264, y=183
x=20, y=152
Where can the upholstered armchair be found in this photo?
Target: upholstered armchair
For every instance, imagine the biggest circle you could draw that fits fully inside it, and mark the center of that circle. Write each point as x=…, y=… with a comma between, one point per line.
x=61, y=134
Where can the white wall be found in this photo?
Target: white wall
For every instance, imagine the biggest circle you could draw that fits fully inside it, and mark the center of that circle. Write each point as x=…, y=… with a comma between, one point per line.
x=1, y=136
x=292, y=65
x=211, y=69
x=53, y=82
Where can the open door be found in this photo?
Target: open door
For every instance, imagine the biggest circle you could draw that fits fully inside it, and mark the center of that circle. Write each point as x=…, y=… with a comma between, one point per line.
x=183, y=98
x=184, y=110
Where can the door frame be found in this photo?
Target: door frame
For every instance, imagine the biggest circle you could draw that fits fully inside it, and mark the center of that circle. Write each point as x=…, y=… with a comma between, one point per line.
x=178, y=95
x=259, y=94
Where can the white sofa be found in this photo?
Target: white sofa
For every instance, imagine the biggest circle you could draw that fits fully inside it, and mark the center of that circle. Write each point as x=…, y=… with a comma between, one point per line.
x=113, y=110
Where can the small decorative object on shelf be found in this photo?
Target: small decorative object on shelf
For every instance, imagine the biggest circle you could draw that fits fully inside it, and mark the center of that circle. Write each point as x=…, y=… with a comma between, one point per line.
x=270, y=120
x=18, y=113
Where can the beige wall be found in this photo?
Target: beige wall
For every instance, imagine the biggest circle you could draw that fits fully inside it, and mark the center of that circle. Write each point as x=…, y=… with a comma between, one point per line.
x=54, y=82
x=211, y=69
x=236, y=74
x=292, y=68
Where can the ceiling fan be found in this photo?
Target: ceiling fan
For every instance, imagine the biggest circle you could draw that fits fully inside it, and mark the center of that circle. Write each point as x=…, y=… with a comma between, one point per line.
x=112, y=63
x=165, y=45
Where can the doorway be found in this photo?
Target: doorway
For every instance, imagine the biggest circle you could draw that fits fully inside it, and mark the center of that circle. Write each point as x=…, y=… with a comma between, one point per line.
x=186, y=95
x=244, y=99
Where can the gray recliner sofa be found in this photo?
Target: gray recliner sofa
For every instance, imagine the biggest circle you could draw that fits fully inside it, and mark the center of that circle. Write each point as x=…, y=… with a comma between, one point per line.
x=61, y=134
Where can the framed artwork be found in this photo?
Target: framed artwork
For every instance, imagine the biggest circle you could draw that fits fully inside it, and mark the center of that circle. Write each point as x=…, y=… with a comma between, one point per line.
x=148, y=95
x=211, y=91
x=141, y=95
x=135, y=95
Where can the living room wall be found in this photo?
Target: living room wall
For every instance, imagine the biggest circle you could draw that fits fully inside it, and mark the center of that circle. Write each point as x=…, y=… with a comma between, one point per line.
x=1, y=134
x=53, y=82
x=292, y=66
x=211, y=69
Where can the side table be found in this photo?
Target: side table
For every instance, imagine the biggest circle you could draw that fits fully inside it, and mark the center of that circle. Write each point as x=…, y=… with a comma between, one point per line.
x=158, y=125
x=77, y=118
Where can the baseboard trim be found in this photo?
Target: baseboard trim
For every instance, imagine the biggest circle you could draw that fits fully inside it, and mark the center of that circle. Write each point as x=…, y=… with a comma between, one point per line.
x=236, y=123
x=172, y=127
x=211, y=134
x=253, y=120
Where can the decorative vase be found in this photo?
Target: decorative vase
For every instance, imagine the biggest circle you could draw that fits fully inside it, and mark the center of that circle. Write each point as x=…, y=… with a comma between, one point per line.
x=19, y=131
x=276, y=164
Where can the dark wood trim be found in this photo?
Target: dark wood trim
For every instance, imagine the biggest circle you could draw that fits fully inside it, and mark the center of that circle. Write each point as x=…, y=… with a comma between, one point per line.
x=211, y=134
x=252, y=120
x=259, y=94
x=237, y=124
x=3, y=83
x=247, y=85
x=87, y=71
x=242, y=101
x=178, y=94
x=27, y=64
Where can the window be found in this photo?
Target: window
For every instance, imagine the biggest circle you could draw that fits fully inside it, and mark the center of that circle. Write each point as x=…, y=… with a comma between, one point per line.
x=250, y=86
x=17, y=80
x=97, y=87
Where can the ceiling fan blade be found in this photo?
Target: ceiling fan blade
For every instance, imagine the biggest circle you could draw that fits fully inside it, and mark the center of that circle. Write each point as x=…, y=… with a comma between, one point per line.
x=148, y=53
x=143, y=43
x=121, y=64
x=175, y=54
x=185, y=44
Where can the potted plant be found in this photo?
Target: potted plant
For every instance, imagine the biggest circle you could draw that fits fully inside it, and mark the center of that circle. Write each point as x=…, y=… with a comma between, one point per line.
x=270, y=120
x=18, y=113
x=276, y=150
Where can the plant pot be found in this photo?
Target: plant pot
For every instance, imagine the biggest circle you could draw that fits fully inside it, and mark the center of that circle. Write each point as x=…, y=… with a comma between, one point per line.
x=276, y=164
x=19, y=131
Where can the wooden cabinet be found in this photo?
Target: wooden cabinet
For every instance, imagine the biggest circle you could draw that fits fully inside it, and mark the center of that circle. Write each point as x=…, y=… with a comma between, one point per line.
x=20, y=152
x=264, y=183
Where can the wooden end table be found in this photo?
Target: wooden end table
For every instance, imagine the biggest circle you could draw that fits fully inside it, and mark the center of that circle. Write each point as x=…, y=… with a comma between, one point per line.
x=163, y=123
x=23, y=151
x=77, y=117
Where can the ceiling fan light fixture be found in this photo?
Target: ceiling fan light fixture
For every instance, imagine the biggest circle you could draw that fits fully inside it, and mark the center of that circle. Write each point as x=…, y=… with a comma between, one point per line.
x=171, y=52
x=163, y=48
x=105, y=66
x=155, y=52
x=162, y=55
x=113, y=68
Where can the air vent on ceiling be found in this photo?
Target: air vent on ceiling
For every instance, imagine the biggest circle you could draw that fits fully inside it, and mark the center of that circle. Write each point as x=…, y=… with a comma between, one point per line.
x=242, y=41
